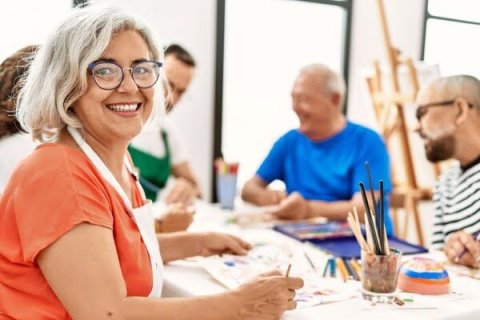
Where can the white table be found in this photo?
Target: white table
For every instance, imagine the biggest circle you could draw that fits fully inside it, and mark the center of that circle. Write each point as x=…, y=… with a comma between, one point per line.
x=187, y=278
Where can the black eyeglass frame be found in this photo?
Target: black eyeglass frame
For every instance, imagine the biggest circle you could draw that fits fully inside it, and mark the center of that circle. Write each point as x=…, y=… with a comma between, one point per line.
x=95, y=63
x=422, y=109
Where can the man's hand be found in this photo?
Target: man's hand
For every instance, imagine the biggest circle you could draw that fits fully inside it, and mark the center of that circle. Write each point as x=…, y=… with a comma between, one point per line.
x=183, y=192
x=463, y=249
x=294, y=207
x=256, y=191
x=274, y=196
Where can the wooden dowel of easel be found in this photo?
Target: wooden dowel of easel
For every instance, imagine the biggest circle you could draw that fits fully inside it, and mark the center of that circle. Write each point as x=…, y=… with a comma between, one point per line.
x=412, y=74
x=383, y=23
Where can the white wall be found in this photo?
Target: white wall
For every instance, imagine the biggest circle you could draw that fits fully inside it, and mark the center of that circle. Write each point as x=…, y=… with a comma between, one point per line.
x=193, y=23
x=31, y=14
x=405, y=22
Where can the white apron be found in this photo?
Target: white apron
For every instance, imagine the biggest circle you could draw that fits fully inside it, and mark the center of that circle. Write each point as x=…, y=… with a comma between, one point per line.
x=143, y=216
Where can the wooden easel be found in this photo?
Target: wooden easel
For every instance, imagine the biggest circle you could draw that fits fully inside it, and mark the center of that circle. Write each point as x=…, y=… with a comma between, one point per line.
x=390, y=114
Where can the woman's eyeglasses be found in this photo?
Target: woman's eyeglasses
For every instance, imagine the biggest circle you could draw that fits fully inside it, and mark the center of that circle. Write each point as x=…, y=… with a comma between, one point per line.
x=109, y=75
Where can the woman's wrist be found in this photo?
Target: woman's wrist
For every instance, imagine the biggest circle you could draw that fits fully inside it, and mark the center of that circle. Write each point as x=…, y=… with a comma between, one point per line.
x=229, y=304
x=196, y=243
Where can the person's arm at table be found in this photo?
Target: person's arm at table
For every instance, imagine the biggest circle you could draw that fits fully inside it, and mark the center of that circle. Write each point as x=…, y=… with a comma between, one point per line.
x=85, y=259
x=463, y=248
x=256, y=191
x=295, y=207
x=176, y=217
x=186, y=187
x=181, y=245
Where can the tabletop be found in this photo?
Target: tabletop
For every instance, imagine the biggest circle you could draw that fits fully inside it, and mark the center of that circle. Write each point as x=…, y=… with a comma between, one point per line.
x=190, y=278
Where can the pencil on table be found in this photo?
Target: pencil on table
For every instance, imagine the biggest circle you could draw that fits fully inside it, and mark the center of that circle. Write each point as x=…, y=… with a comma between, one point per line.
x=343, y=269
x=327, y=266
x=310, y=261
x=356, y=266
x=351, y=272
x=333, y=268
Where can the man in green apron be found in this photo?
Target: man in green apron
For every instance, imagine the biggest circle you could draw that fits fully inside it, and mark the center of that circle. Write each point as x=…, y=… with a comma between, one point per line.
x=158, y=153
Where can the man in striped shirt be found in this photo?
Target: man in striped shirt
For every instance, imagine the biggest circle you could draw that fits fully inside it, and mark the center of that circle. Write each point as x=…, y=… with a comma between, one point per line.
x=448, y=113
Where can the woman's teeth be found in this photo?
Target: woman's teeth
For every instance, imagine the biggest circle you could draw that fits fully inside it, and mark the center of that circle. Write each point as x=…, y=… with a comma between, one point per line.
x=123, y=107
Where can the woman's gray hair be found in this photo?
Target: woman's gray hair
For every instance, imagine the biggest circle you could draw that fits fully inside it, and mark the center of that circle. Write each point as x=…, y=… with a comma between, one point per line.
x=58, y=75
x=332, y=81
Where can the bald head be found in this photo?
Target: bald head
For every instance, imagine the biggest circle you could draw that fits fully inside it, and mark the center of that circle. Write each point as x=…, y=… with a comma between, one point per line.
x=325, y=79
x=448, y=116
x=465, y=86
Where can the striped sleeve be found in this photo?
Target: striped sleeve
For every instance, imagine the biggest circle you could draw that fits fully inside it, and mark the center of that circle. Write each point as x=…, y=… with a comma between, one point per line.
x=457, y=204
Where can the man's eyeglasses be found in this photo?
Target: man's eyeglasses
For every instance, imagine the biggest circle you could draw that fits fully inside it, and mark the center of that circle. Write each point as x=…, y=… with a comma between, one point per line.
x=109, y=75
x=422, y=109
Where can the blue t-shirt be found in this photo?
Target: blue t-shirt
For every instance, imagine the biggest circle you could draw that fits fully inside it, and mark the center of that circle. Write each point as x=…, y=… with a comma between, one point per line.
x=331, y=169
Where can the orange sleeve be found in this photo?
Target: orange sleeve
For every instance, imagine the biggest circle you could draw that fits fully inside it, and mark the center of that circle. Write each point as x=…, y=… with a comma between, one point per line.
x=59, y=189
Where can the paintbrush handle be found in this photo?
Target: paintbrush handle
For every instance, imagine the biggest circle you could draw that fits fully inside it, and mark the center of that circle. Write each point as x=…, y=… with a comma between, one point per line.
x=370, y=219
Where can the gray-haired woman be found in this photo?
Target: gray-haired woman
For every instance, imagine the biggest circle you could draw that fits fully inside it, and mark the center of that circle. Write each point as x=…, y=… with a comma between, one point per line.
x=77, y=234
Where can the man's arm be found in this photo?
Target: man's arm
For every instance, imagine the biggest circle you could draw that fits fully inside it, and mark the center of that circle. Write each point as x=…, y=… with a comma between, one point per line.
x=296, y=207
x=339, y=209
x=256, y=191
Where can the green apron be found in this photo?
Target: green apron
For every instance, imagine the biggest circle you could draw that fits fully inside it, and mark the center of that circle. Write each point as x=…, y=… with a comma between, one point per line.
x=154, y=171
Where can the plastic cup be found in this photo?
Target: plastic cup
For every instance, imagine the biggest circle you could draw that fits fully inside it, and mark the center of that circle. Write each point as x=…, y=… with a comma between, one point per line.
x=226, y=190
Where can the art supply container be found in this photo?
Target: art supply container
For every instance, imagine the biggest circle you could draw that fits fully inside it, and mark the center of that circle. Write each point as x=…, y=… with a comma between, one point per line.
x=380, y=276
x=226, y=190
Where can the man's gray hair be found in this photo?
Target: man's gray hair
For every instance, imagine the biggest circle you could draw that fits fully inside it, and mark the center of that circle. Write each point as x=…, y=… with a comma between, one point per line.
x=333, y=82
x=58, y=74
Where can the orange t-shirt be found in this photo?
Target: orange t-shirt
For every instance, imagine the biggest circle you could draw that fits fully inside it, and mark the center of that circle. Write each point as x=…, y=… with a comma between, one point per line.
x=50, y=192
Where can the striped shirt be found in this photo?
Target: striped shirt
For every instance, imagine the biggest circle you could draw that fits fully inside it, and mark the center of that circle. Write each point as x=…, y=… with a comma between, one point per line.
x=457, y=203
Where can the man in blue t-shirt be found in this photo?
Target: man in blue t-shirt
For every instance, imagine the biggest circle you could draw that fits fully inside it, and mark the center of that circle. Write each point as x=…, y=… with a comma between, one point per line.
x=323, y=161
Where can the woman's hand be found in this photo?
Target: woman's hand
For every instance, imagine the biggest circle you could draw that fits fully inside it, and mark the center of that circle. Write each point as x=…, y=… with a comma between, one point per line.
x=266, y=297
x=183, y=192
x=212, y=243
x=178, y=217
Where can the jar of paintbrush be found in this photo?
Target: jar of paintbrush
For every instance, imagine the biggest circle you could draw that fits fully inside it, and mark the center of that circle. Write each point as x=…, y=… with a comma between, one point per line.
x=380, y=263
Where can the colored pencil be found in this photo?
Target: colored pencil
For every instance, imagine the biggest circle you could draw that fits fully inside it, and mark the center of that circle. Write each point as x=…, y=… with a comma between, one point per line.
x=327, y=267
x=350, y=270
x=310, y=261
x=333, y=268
x=342, y=269
x=356, y=266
